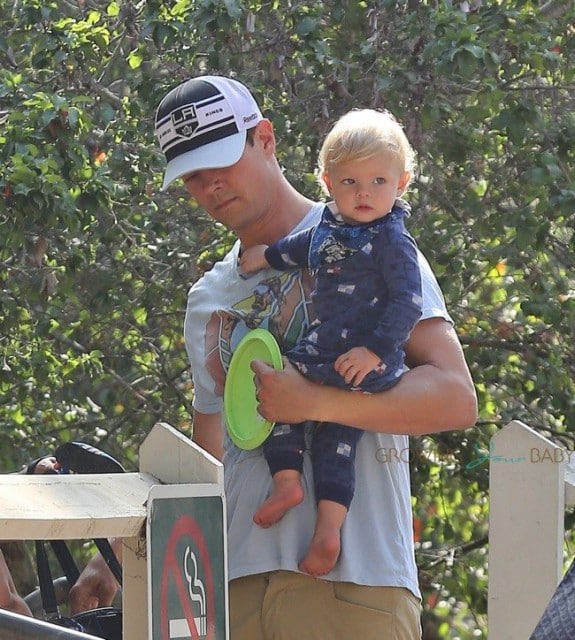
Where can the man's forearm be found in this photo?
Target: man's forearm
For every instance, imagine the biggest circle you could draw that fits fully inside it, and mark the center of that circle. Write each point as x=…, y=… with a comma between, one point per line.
x=426, y=400
x=437, y=394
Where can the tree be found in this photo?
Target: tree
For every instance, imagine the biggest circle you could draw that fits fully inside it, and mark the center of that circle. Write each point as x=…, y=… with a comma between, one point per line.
x=96, y=261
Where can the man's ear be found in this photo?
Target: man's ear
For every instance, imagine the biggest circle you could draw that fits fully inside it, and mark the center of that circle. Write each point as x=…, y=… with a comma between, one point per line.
x=264, y=135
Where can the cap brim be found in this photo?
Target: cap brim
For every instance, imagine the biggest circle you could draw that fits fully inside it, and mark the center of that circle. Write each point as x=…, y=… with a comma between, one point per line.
x=215, y=155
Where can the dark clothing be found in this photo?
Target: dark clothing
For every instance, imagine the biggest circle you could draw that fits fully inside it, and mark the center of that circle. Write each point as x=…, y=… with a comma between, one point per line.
x=332, y=454
x=558, y=620
x=368, y=293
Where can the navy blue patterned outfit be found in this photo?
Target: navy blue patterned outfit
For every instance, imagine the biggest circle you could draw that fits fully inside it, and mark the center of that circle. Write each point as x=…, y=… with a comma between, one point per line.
x=558, y=620
x=368, y=293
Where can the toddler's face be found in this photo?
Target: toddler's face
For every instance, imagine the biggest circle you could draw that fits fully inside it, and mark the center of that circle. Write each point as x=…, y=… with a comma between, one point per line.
x=365, y=190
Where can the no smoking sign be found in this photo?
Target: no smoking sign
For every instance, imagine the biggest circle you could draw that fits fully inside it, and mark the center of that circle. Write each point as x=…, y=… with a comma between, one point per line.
x=187, y=563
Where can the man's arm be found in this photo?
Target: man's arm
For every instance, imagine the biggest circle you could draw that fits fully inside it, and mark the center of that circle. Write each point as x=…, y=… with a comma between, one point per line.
x=436, y=394
x=96, y=586
x=208, y=432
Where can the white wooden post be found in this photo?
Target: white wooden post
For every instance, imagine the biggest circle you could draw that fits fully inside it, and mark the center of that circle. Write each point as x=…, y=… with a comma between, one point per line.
x=134, y=587
x=527, y=504
x=172, y=458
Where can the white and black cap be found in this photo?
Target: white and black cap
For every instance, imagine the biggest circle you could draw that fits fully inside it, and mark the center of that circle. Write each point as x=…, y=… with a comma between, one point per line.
x=202, y=123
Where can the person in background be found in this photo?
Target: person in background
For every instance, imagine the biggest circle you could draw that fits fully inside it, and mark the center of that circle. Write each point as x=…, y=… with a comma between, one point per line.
x=10, y=599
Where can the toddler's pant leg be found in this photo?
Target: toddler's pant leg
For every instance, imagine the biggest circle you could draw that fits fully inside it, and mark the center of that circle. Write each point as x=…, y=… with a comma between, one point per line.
x=333, y=459
x=284, y=448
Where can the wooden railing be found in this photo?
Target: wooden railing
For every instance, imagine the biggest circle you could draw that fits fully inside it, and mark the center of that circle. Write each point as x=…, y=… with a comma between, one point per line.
x=87, y=506
x=531, y=483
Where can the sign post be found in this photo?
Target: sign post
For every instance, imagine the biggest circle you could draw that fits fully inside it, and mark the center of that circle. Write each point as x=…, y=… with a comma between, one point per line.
x=187, y=563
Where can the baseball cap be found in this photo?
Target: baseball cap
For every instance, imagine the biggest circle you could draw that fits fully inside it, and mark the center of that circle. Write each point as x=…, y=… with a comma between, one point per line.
x=202, y=124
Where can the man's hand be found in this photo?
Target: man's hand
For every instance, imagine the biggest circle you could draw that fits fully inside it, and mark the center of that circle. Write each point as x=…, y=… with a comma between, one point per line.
x=272, y=388
x=437, y=394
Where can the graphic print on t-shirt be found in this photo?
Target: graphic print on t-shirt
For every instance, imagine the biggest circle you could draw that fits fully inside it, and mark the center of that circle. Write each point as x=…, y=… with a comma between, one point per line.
x=279, y=304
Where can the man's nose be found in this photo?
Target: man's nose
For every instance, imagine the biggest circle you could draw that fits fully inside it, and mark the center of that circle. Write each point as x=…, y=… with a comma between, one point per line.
x=212, y=179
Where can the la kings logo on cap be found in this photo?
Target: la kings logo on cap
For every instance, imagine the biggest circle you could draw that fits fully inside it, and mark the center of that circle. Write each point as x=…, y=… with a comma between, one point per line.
x=191, y=125
x=185, y=121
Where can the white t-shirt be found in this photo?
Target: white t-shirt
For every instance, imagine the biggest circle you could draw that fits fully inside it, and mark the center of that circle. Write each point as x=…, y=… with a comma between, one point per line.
x=377, y=536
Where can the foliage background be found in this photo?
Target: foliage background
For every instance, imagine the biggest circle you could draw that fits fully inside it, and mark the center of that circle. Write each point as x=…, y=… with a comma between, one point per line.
x=95, y=261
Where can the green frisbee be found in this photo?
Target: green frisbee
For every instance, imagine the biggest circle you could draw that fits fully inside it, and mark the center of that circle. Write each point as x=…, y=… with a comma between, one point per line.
x=247, y=428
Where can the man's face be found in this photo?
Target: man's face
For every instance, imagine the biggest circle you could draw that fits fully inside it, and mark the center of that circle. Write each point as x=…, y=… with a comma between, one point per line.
x=232, y=195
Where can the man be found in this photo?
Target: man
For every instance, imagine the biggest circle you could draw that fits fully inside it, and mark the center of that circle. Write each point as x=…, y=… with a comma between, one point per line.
x=217, y=141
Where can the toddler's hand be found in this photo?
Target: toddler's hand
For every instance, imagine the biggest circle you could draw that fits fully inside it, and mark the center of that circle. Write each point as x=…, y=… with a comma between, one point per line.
x=354, y=365
x=253, y=260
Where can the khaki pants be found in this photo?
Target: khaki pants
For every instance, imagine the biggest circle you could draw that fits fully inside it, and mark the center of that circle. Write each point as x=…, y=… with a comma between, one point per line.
x=283, y=605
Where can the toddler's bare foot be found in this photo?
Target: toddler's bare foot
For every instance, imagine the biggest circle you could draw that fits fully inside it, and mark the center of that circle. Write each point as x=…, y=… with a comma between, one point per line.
x=287, y=493
x=325, y=545
x=322, y=553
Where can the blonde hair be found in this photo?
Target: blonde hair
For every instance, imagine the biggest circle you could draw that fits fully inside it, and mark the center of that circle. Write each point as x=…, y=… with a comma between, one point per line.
x=361, y=134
